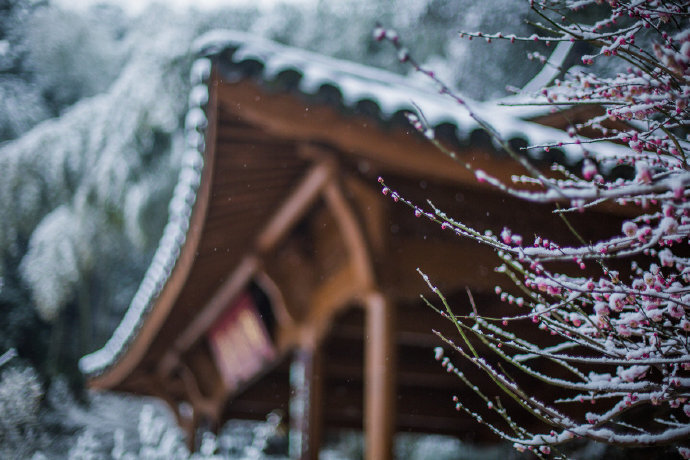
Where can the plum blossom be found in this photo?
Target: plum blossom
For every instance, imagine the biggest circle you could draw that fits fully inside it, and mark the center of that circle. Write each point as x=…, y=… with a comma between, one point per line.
x=613, y=305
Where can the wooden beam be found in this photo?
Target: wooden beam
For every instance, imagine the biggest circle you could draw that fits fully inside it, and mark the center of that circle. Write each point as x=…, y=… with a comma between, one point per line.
x=379, y=385
x=330, y=296
x=380, y=356
x=346, y=286
x=374, y=212
x=385, y=150
x=280, y=310
x=353, y=235
x=295, y=206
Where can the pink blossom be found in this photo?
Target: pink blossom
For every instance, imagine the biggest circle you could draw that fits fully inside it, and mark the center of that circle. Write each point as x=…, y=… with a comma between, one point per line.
x=632, y=373
x=666, y=257
x=655, y=315
x=668, y=225
x=575, y=319
x=675, y=311
x=617, y=301
x=506, y=235
x=601, y=309
x=603, y=318
x=589, y=169
x=629, y=228
x=623, y=330
x=644, y=175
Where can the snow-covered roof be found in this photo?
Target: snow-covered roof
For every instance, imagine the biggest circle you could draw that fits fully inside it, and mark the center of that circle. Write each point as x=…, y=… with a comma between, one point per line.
x=356, y=83
x=391, y=93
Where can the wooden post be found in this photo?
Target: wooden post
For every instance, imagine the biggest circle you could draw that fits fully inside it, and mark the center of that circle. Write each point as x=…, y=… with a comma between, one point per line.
x=305, y=404
x=379, y=378
x=188, y=422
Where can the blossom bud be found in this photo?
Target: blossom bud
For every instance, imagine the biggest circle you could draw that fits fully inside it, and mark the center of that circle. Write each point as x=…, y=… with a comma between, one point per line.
x=675, y=311
x=668, y=225
x=589, y=169
x=644, y=175
x=506, y=235
x=601, y=309
x=629, y=228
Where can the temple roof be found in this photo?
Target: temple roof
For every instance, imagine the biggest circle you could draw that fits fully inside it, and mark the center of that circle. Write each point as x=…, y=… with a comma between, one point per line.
x=348, y=87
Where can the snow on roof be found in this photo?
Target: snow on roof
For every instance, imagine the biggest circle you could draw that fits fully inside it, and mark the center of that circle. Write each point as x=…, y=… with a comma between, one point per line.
x=392, y=93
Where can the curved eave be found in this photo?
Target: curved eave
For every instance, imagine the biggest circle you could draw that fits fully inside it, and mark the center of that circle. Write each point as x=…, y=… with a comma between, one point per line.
x=174, y=255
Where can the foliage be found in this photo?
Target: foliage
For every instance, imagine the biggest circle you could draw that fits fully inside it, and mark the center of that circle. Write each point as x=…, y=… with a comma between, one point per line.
x=615, y=338
x=20, y=394
x=20, y=100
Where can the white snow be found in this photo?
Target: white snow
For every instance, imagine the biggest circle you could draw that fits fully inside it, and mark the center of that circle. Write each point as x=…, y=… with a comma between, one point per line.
x=393, y=93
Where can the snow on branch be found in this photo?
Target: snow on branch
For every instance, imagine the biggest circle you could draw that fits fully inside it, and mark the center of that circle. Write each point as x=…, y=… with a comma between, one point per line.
x=616, y=339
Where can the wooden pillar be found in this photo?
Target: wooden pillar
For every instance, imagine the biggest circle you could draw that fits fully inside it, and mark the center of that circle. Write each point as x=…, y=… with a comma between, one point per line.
x=379, y=378
x=187, y=422
x=306, y=403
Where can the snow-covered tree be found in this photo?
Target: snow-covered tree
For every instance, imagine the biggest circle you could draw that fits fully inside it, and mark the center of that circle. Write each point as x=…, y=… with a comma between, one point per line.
x=21, y=104
x=84, y=197
x=617, y=339
x=20, y=394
